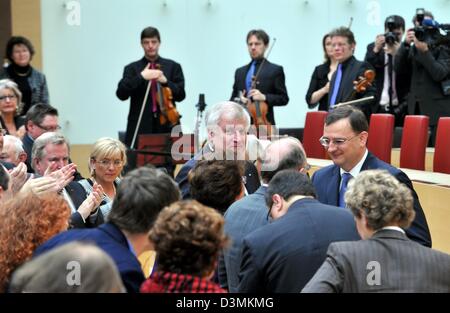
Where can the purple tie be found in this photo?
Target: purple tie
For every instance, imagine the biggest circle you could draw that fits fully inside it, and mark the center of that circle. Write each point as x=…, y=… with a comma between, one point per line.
x=337, y=83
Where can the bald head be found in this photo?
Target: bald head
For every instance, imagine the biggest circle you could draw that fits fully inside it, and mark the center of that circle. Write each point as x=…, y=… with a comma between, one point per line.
x=283, y=154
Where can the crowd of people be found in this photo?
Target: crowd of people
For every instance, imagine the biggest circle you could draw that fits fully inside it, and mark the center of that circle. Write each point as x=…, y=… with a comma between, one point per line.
x=227, y=221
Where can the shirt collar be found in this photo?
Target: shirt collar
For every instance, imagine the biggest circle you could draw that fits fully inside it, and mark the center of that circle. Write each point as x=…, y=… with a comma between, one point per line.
x=357, y=169
x=396, y=228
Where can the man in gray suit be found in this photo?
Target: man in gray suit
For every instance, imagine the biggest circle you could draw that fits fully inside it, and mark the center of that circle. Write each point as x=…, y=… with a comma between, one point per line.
x=386, y=261
x=250, y=213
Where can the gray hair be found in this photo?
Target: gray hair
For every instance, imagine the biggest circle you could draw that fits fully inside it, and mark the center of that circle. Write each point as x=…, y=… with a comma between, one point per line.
x=382, y=199
x=18, y=146
x=51, y=271
x=9, y=84
x=38, y=151
x=228, y=109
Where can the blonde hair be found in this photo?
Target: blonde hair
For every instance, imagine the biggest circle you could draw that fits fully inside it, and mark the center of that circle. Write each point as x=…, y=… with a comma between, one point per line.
x=107, y=147
x=11, y=85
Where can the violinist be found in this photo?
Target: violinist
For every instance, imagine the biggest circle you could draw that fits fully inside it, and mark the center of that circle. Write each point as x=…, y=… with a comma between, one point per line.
x=269, y=86
x=162, y=75
x=348, y=73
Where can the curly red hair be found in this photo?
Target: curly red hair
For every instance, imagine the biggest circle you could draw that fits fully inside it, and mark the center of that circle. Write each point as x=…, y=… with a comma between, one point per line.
x=25, y=223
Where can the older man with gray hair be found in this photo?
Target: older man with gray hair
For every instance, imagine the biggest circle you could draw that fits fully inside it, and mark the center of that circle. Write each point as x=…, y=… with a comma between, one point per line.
x=13, y=151
x=227, y=124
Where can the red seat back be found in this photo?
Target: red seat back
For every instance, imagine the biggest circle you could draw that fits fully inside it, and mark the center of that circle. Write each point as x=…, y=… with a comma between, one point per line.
x=414, y=142
x=381, y=133
x=441, y=162
x=313, y=131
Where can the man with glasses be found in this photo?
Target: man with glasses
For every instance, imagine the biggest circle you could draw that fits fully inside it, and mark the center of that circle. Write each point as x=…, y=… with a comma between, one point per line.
x=284, y=255
x=344, y=137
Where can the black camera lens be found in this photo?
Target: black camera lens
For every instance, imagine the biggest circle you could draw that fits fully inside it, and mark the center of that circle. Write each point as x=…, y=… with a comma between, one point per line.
x=419, y=32
x=390, y=38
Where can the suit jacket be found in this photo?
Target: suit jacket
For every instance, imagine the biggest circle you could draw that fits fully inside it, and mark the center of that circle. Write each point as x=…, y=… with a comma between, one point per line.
x=133, y=85
x=110, y=239
x=327, y=181
x=428, y=70
x=319, y=79
x=271, y=82
x=283, y=255
x=252, y=182
x=78, y=195
x=241, y=218
x=352, y=69
x=404, y=266
x=27, y=143
x=402, y=79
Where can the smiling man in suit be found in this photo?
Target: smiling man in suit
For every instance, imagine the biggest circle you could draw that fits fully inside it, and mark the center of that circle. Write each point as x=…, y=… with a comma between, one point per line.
x=344, y=137
x=270, y=83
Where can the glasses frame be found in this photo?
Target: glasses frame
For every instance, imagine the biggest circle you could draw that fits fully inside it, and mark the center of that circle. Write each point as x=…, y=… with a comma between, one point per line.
x=341, y=141
x=2, y=98
x=107, y=163
x=50, y=129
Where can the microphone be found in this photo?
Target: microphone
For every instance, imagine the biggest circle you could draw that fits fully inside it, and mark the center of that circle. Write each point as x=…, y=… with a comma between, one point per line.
x=201, y=105
x=430, y=23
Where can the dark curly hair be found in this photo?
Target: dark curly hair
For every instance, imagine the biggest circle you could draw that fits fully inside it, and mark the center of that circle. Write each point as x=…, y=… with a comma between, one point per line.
x=18, y=40
x=187, y=238
x=26, y=222
x=216, y=183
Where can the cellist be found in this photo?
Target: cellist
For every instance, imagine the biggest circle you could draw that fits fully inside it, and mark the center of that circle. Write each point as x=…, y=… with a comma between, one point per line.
x=147, y=73
x=269, y=86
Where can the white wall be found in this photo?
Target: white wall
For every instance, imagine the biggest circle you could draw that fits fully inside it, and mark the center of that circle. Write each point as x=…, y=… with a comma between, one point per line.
x=84, y=63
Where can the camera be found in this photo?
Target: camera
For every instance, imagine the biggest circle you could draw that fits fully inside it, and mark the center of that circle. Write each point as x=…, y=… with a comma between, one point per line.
x=419, y=31
x=390, y=37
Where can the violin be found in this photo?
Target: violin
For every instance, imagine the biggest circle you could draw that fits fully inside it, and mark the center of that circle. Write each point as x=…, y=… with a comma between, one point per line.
x=258, y=111
x=362, y=83
x=169, y=113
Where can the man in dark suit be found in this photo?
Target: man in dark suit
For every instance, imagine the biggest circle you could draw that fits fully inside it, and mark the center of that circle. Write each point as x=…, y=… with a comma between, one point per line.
x=283, y=255
x=386, y=261
x=345, y=136
x=429, y=67
x=51, y=153
x=349, y=70
x=227, y=124
x=142, y=194
x=270, y=83
x=155, y=70
x=392, y=88
x=250, y=213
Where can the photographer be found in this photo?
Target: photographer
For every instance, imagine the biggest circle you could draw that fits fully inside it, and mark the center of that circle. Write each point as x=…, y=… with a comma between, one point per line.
x=429, y=64
x=392, y=88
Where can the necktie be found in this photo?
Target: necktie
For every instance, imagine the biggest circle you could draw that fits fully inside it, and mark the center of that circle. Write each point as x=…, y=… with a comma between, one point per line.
x=337, y=83
x=250, y=74
x=345, y=179
x=153, y=90
x=390, y=73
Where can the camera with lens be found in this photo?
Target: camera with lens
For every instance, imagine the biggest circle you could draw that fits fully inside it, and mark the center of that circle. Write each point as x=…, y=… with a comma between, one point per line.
x=390, y=37
x=419, y=31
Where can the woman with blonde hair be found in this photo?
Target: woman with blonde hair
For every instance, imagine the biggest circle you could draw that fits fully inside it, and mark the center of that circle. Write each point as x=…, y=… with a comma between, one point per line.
x=10, y=107
x=106, y=161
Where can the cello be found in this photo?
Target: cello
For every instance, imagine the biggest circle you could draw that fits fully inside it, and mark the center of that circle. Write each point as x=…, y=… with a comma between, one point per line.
x=258, y=109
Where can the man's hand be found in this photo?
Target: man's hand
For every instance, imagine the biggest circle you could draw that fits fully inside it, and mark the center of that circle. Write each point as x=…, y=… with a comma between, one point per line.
x=62, y=176
x=150, y=74
x=420, y=45
x=379, y=43
x=410, y=36
x=256, y=95
x=18, y=177
x=40, y=186
x=392, y=49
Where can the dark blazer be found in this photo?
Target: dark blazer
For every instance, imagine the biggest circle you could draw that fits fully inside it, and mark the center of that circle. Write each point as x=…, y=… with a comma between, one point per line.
x=352, y=70
x=271, y=82
x=110, y=239
x=252, y=182
x=402, y=79
x=133, y=85
x=319, y=79
x=283, y=255
x=78, y=195
x=19, y=121
x=404, y=266
x=27, y=143
x=242, y=217
x=327, y=181
x=428, y=70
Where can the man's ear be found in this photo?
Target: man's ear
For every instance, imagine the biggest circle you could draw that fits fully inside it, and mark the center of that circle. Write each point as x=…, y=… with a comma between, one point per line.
x=364, y=136
x=23, y=156
x=277, y=204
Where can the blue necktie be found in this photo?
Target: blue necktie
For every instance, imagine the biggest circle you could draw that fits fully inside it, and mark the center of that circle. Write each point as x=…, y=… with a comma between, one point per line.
x=345, y=179
x=337, y=83
x=250, y=74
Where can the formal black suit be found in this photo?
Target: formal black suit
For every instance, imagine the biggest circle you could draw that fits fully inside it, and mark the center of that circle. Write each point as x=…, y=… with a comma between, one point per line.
x=252, y=182
x=27, y=143
x=352, y=69
x=111, y=240
x=319, y=79
x=402, y=79
x=327, y=181
x=428, y=70
x=271, y=82
x=78, y=195
x=283, y=255
x=133, y=85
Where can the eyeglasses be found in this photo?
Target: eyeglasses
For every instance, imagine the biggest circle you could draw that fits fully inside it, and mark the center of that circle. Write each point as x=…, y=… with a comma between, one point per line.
x=3, y=131
x=10, y=97
x=50, y=128
x=107, y=163
x=325, y=141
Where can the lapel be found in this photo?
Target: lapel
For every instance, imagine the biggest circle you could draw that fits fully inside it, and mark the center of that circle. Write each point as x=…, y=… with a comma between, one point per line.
x=333, y=187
